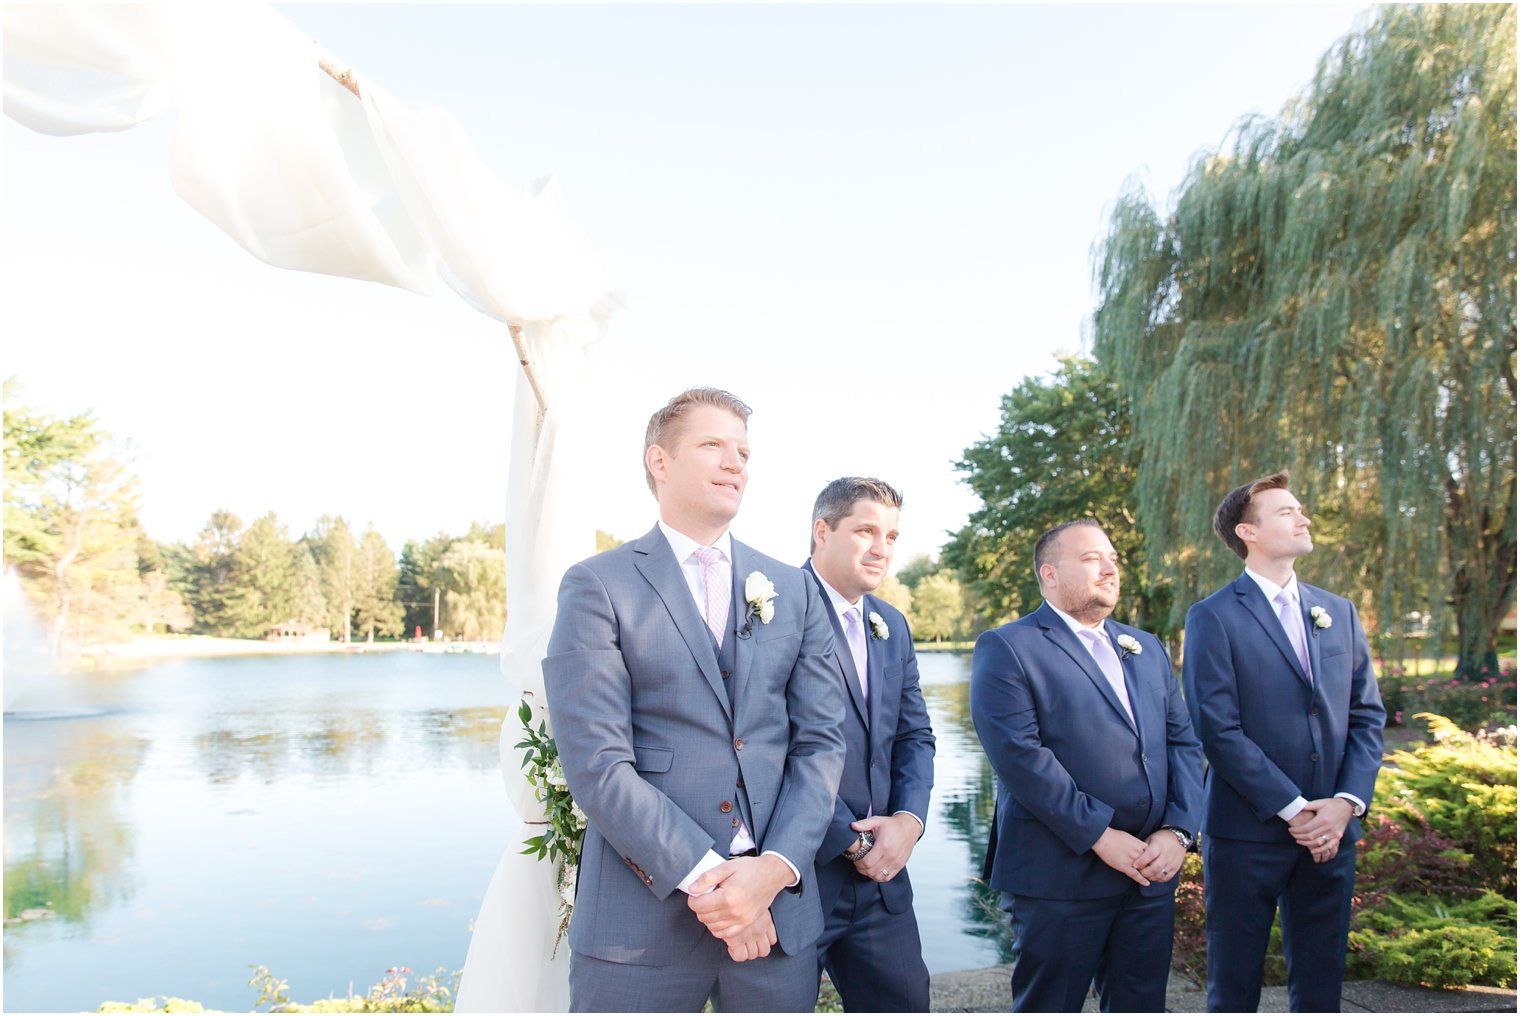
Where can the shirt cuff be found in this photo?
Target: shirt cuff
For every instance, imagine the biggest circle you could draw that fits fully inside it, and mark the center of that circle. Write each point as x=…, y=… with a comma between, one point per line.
x=796, y=875
x=1295, y=806
x=708, y=862
x=1358, y=806
x=914, y=818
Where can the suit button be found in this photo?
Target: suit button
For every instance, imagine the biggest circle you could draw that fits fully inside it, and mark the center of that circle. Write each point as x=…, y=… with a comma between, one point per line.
x=726, y=807
x=1314, y=757
x=739, y=744
x=740, y=783
x=736, y=823
x=725, y=674
x=1144, y=758
x=1143, y=803
x=1314, y=712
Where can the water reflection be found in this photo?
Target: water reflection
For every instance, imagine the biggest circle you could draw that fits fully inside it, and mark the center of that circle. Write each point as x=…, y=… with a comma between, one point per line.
x=966, y=797
x=328, y=817
x=69, y=833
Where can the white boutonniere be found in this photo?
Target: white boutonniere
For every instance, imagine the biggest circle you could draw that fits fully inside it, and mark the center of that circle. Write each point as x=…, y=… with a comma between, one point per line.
x=878, y=626
x=1128, y=644
x=1321, y=618
x=759, y=596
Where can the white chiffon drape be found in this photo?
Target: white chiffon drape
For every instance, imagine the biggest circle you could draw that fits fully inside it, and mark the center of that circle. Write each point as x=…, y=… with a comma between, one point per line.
x=303, y=176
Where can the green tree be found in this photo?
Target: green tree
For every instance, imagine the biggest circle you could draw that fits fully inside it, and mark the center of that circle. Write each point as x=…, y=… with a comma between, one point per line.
x=1334, y=293
x=473, y=577
x=606, y=541
x=221, y=597
x=898, y=595
x=332, y=547
x=70, y=524
x=375, y=608
x=938, y=607
x=266, y=564
x=917, y=568
x=1061, y=452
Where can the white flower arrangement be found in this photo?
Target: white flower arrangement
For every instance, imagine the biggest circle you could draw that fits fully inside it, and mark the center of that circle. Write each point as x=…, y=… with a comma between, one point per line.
x=1128, y=644
x=878, y=626
x=1321, y=618
x=759, y=598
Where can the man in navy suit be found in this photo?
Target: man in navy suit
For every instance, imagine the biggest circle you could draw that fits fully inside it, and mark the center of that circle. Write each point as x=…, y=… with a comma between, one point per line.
x=870, y=944
x=1099, y=785
x=1280, y=685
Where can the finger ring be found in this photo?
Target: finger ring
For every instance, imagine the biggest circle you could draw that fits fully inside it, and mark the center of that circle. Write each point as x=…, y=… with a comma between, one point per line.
x=1323, y=837
x=885, y=872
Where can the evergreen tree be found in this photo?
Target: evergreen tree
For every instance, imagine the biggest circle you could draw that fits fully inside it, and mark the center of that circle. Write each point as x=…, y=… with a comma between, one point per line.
x=336, y=554
x=375, y=608
x=223, y=601
x=1335, y=294
x=71, y=530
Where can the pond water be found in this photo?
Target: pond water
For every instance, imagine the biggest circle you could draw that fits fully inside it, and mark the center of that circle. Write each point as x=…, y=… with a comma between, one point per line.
x=327, y=817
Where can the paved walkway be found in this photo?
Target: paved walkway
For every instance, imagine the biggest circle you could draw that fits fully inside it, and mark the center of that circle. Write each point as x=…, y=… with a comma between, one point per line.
x=987, y=991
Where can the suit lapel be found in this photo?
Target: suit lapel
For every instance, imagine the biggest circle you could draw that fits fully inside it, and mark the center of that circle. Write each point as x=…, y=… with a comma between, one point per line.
x=744, y=645
x=1066, y=640
x=1255, y=601
x=1127, y=664
x=876, y=667
x=842, y=654
x=657, y=563
x=1307, y=601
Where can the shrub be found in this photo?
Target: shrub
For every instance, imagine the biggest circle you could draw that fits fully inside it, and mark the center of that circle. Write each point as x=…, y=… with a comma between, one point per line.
x=1425, y=940
x=1487, y=702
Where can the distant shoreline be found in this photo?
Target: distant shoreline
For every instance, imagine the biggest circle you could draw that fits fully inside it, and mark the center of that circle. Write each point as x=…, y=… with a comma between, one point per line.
x=168, y=647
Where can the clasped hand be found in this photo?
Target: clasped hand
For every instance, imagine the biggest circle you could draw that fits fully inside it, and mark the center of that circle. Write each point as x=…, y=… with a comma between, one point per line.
x=896, y=836
x=1156, y=858
x=733, y=901
x=1318, y=828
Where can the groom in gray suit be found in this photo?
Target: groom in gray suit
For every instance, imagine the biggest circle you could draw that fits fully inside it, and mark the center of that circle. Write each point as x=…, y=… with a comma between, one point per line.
x=697, y=714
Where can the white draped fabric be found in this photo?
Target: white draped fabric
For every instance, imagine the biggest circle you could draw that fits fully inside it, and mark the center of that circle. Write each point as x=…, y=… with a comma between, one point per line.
x=304, y=176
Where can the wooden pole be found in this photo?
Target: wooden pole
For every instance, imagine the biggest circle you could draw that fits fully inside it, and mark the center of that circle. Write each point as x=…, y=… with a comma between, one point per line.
x=346, y=77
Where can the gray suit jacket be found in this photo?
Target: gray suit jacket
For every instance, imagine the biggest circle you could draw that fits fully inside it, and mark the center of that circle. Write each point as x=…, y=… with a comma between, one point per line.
x=658, y=758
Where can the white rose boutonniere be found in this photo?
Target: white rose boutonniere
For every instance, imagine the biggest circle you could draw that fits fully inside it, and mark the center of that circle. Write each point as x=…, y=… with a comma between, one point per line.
x=1321, y=618
x=1128, y=644
x=759, y=597
x=878, y=626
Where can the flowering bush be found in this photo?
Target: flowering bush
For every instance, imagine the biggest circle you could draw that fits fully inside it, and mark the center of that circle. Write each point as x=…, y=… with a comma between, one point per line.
x=1487, y=702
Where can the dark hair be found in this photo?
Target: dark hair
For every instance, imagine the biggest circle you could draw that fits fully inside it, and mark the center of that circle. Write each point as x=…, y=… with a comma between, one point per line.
x=1236, y=508
x=1044, y=547
x=837, y=500
x=665, y=425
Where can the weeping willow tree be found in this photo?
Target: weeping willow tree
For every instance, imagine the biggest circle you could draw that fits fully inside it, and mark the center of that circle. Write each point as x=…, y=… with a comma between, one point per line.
x=1334, y=292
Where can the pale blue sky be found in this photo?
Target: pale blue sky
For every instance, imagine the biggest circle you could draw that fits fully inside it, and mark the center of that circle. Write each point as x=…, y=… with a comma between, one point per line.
x=867, y=221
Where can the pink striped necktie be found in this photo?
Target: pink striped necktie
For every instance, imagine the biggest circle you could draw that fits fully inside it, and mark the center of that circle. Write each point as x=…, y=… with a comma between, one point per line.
x=718, y=592
x=1293, y=627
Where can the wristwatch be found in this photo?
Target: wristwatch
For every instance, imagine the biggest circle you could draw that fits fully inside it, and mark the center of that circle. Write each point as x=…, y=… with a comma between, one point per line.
x=1183, y=836
x=867, y=841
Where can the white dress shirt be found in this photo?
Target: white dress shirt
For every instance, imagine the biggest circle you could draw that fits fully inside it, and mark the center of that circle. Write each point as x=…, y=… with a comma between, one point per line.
x=1271, y=590
x=685, y=549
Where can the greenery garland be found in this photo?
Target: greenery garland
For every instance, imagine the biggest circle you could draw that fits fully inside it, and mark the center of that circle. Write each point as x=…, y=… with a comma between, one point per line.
x=565, y=824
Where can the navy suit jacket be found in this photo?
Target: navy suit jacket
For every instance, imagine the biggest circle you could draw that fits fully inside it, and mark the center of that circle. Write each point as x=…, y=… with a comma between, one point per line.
x=889, y=746
x=1069, y=761
x=1269, y=734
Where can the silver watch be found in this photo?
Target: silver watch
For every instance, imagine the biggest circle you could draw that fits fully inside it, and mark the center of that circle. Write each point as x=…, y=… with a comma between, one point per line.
x=867, y=841
x=1183, y=836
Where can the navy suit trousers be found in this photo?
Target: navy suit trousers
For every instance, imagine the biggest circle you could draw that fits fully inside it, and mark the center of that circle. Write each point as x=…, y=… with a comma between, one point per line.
x=1244, y=885
x=873, y=956
x=1123, y=944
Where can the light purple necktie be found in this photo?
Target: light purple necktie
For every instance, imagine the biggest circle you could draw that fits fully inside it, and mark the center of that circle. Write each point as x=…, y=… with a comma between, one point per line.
x=855, y=635
x=1293, y=624
x=1108, y=662
x=717, y=590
